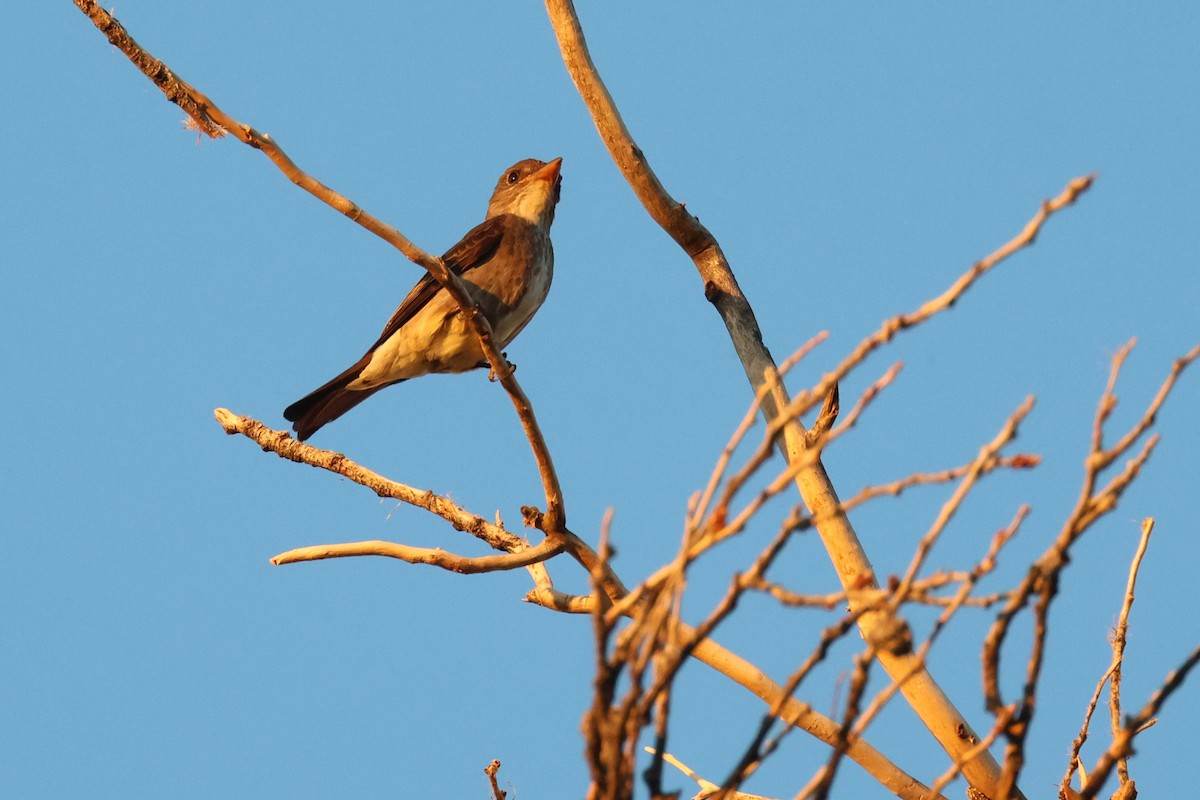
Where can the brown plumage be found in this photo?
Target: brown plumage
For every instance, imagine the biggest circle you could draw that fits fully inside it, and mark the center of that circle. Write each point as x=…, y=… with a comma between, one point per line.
x=506, y=263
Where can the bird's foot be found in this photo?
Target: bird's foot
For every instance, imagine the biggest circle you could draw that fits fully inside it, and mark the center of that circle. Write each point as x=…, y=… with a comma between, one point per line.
x=492, y=376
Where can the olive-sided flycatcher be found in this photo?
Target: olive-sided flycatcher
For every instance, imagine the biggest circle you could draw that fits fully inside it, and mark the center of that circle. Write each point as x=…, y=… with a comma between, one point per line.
x=506, y=263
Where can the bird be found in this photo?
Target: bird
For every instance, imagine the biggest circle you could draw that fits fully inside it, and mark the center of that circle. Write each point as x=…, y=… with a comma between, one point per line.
x=506, y=263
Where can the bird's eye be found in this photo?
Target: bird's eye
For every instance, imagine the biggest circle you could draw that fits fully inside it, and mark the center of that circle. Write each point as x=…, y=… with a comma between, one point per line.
x=512, y=176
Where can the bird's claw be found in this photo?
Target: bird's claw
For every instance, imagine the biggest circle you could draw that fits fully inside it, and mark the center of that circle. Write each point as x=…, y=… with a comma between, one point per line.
x=492, y=376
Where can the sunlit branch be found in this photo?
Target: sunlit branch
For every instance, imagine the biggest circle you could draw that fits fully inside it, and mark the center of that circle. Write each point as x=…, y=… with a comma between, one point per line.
x=211, y=119
x=987, y=454
x=284, y=446
x=465, y=565
x=739, y=434
x=1041, y=581
x=896, y=488
x=722, y=290
x=1122, y=746
x=791, y=711
x=1113, y=673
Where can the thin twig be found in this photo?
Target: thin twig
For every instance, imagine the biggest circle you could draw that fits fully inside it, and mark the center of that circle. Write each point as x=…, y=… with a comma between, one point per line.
x=987, y=454
x=739, y=434
x=1118, y=643
x=1090, y=506
x=920, y=592
x=1041, y=581
x=437, y=557
x=951, y=295
x=1122, y=745
x=896, y=488
x=791, y=711
x=1113, y=672
x=284, y=446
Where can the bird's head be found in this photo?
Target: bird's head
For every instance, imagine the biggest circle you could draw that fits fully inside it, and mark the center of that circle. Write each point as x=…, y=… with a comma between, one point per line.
x=528, y=189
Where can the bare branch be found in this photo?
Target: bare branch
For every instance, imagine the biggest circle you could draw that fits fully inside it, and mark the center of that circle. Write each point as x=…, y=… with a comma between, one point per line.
x=791, y=711
x=950, y=296
x=896, y=488
x=717, y=528
x=177, y=91
x=1114, y=668
x=921, y=592
x=818, y=788
x=1122, y=746
x=760, y=746
x=720, y=285
x=437, y=557
x=1042, y=578
x=865, y=399
x=987, y=454
x=739, y=434
x=490, y=770
x=1091, y=505
x=1151, y=413
x=1000, y=723
x=283, y=445
x=1074, y=762
x=986, y=564
x=708, y=789
x=1118, y=642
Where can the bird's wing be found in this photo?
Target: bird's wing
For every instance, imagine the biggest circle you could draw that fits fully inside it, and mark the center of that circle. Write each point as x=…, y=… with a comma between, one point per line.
x=473, y=250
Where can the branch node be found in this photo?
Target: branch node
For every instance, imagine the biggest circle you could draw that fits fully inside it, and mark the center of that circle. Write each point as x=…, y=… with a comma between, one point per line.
x=828, y=416
x=712, y=292
x=532, y=517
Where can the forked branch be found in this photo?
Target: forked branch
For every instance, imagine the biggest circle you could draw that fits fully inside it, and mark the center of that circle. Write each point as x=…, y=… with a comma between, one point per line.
x=721, y=288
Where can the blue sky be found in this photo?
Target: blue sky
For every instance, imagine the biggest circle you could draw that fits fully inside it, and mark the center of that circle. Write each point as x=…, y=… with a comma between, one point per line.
x=852, y=159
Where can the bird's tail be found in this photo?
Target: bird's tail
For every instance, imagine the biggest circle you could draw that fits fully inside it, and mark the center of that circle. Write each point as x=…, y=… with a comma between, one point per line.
x=329, y=402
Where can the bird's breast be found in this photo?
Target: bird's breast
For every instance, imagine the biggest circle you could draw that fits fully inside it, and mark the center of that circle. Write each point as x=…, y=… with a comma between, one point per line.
x=520, y=288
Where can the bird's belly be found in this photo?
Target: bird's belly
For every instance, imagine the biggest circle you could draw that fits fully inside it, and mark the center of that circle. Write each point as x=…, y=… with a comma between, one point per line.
x=436, y=340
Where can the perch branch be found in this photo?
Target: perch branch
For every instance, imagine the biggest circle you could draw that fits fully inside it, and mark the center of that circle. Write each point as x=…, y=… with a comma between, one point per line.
x=210, y=119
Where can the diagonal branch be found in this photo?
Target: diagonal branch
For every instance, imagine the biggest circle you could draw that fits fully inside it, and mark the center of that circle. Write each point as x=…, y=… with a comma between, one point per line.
x=284, y=446
x=951, y=295
x=721, y=289
x=210, y=119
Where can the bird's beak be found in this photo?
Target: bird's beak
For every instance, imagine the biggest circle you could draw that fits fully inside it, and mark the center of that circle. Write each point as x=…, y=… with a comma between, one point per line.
x=549, y=173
